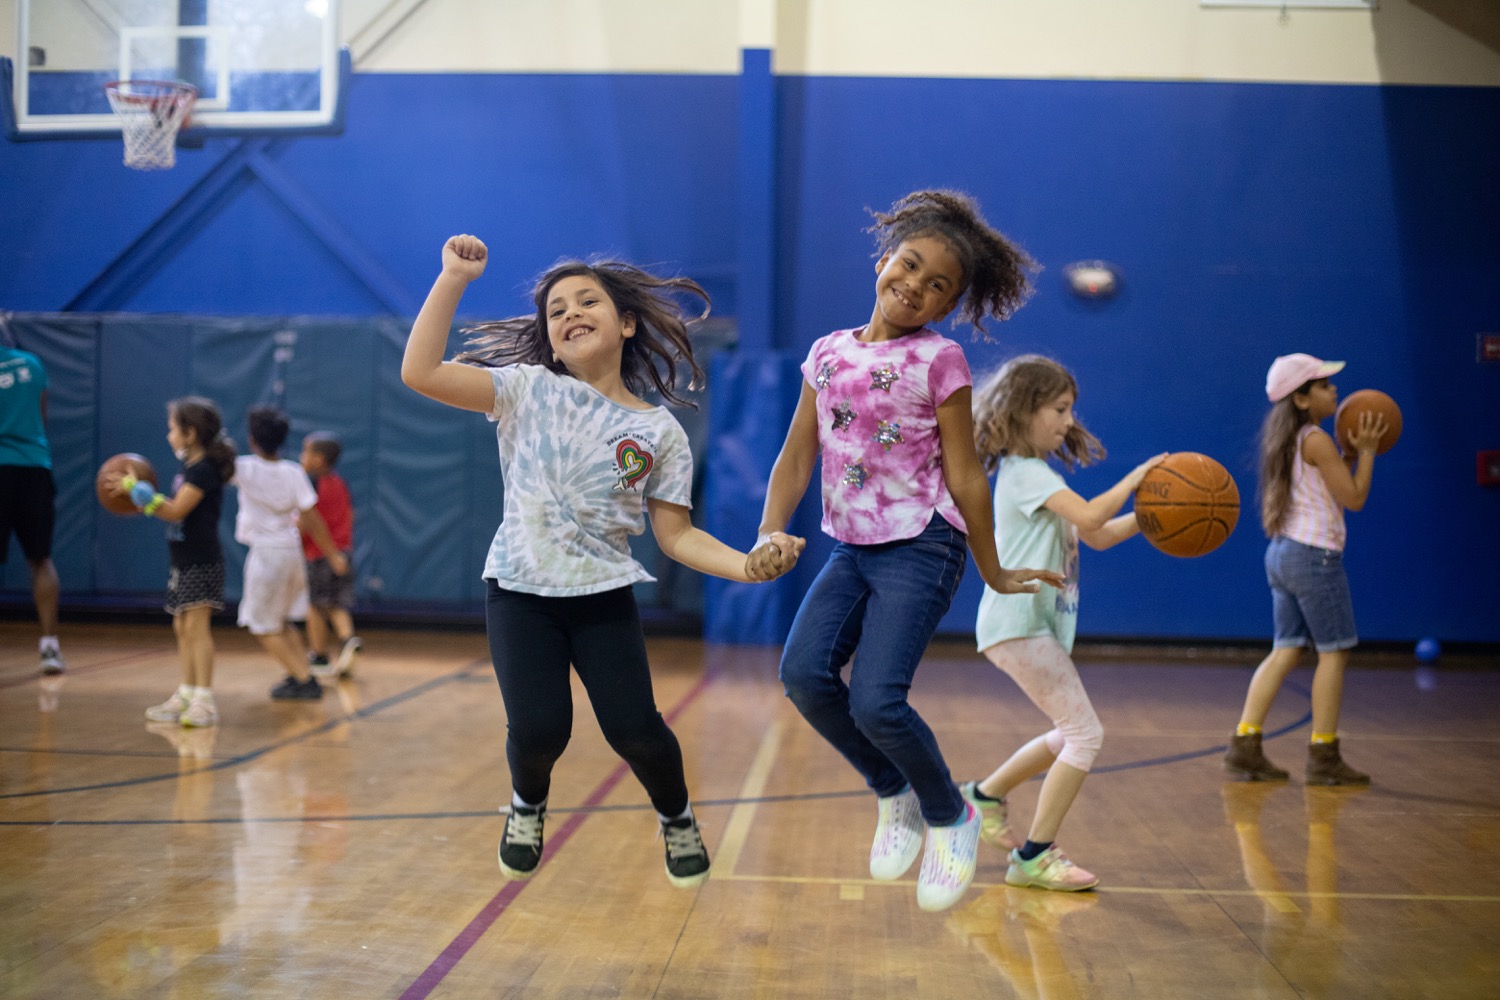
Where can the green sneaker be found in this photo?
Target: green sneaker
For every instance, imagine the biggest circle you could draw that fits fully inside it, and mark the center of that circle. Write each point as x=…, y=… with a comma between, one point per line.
x=994, y=822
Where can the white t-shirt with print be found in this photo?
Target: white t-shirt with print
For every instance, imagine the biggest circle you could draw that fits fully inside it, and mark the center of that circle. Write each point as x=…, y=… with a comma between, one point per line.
x=272, y=493
x=577, y=469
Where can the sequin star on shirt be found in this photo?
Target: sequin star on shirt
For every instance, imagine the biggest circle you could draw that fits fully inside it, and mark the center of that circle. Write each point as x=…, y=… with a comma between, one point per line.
x=825, y=375
x=856, y=474
x=888, y=433
x=843, y=415
x=884, y=377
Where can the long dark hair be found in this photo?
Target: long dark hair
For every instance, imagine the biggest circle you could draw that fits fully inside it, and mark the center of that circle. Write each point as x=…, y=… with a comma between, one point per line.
x=1278, y=452
x=651, y=357
x=996, y=272
x=202, y=417
x=1006, y=401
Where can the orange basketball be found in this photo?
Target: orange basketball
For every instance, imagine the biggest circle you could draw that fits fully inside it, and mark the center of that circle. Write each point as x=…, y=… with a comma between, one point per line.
x=1187, y=505
x=1346, y=420
x=120, y=464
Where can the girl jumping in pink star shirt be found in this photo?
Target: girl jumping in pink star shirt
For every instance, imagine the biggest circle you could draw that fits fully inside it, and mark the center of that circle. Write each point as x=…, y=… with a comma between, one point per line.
x=888, y=407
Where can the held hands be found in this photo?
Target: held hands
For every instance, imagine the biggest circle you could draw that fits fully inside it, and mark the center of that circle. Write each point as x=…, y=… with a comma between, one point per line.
x=1133, y=480
x=1367, y=433
x=1015, y=581
x=339, y=564
x=775, y=553
x=464, y=257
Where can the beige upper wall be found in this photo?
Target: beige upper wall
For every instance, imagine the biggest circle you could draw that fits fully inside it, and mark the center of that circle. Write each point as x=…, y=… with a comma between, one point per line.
x=1403, y=41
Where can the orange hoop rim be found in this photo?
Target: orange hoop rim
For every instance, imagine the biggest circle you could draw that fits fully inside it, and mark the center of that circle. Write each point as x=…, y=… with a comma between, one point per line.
x=151, y=91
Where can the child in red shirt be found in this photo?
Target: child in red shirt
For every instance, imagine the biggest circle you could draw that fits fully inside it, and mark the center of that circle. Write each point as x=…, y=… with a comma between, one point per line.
x=330, y=596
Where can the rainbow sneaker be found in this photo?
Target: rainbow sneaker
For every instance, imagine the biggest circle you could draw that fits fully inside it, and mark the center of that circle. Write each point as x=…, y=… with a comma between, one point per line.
x=1049, y=870
x=948, y=866
x=994, y=821
x=898, y=836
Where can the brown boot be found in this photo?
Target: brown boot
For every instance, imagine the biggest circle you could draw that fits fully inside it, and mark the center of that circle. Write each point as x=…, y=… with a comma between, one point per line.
x=1326, y=767
x=1246, y=762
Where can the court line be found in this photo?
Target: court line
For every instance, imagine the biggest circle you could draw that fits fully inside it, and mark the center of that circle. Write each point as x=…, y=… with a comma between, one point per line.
x=92, y=668
x=737, y=830
x=261, y=751
x=438, y=969
x=1398, y=897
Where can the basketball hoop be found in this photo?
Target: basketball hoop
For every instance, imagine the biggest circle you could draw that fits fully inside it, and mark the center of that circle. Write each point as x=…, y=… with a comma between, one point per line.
x=150, y=113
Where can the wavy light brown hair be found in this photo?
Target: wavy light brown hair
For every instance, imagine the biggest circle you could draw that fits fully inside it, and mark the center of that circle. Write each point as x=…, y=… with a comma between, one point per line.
x=1007, y=400
x=651, y=358
x=996, y=272
x=1278, y=452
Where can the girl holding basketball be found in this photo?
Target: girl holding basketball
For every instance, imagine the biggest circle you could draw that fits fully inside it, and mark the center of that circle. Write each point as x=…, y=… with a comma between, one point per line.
x=1023, y=415
x=887, y=405
x=195, y=587
x=584, y=459
x=1305, y=486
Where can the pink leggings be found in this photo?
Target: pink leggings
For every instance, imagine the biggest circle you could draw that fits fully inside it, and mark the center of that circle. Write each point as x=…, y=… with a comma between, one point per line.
x=1045, y=672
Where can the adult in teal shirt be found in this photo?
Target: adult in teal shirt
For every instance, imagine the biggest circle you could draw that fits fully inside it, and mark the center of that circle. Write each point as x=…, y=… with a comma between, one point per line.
x=27, y=492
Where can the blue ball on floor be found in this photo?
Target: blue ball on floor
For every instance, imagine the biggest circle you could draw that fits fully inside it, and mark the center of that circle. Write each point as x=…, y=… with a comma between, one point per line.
x=1428, y=650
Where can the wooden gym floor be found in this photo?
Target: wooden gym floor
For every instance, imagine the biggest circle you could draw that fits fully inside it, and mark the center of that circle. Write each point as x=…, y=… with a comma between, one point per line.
x=347, y=848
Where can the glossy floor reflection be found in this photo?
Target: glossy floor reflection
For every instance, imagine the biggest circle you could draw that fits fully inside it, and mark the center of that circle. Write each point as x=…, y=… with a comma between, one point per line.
x=345, y=848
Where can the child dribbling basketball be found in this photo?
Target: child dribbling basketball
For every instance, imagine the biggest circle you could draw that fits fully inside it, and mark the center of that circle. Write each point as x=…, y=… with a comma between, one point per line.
x=1023, y=415
x=1305, y=486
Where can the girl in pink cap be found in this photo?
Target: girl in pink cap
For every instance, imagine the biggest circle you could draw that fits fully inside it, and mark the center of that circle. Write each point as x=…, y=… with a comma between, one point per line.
x=887, y=406
x=1305, y=486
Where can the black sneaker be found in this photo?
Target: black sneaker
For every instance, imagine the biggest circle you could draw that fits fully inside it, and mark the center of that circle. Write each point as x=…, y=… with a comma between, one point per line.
x=687, y=858
x=292, y=689
x=521, y=847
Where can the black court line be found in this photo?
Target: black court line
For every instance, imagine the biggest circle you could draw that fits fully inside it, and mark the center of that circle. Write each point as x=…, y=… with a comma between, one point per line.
x=236, y=761
x=1133, y=765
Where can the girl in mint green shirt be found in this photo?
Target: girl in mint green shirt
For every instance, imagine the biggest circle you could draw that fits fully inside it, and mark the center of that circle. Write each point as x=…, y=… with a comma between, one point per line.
x=1023, y=416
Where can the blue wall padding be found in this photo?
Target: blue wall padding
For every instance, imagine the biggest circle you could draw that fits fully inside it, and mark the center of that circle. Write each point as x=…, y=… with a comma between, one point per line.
x=754, y=396
x=1248, y=220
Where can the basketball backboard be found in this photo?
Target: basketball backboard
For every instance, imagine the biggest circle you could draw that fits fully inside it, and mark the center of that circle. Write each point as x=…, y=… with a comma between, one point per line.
x=260, y=66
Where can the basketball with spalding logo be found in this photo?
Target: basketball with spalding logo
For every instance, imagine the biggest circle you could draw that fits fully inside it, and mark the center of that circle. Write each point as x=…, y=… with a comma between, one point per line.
x=1187, y=505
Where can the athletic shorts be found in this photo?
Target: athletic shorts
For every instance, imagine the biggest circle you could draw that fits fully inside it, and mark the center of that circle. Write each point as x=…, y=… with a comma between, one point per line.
x=27, y=507
x=195, y=586
x=275, y=589
x=325, y=589
x=1310, y=598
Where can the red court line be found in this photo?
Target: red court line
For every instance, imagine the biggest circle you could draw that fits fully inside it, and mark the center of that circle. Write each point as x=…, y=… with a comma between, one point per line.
x=92, y=668
x=470, y=935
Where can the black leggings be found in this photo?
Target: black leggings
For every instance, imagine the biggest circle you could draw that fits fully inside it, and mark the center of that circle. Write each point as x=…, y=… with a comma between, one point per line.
x=532, y=641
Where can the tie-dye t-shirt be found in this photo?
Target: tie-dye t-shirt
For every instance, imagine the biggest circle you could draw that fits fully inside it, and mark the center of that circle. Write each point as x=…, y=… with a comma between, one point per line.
x=577, y=469
x=878, y=432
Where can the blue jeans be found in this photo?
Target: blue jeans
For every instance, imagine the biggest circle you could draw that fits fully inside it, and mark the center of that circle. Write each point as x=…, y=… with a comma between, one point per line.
x=1309, y=596
x=879, y=604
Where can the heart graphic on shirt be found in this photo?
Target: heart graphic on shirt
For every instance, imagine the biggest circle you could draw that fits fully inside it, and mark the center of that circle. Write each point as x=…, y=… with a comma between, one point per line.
x=634, y=462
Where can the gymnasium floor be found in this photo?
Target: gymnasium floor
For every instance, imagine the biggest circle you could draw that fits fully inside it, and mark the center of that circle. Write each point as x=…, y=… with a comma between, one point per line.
x=347, y=848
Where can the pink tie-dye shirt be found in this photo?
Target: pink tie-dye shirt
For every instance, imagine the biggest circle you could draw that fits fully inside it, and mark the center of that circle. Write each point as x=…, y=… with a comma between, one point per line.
x=878, y=432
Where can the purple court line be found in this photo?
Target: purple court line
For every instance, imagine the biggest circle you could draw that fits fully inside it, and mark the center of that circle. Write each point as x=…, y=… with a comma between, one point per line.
x=92, y=668
x=470, y=935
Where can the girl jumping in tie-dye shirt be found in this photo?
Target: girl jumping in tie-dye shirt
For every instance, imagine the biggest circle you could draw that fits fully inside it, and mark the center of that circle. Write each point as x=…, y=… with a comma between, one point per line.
x=584, y=459
x=887, y=405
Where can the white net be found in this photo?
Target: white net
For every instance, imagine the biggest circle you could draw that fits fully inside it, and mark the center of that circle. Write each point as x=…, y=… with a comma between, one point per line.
x=150, y=113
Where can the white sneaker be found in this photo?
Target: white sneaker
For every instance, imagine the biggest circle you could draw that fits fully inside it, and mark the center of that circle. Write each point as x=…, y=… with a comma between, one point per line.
x=898, y=836
x=170, y=710
x=52, y=661
x=948, y=866
x=200, y=712
x=347, y=656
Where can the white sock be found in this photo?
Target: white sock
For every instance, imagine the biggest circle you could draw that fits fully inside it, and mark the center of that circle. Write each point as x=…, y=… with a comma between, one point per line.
x=516, y=800
x=201, y=694
x=185, y=692
x=48, y=642
x=686, y=814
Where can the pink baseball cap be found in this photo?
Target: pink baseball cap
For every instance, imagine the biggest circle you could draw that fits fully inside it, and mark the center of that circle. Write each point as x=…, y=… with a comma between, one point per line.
x=1291, y=371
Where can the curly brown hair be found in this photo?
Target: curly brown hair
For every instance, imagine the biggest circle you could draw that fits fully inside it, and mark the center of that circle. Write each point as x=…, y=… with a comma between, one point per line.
x=1005, y=402
x=996, y=272
x=651, y=358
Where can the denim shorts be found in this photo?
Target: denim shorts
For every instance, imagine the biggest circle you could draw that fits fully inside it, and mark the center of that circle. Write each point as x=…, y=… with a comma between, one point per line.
x=1310, y=596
